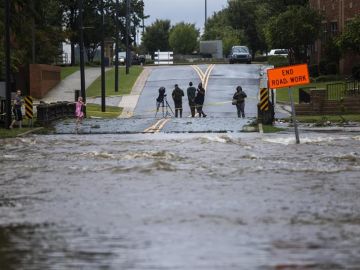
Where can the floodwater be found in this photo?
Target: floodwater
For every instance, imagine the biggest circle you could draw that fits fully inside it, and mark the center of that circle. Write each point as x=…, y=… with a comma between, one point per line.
x=197, y=201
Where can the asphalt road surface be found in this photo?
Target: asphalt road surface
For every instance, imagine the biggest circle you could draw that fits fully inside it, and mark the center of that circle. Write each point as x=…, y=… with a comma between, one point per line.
x=220, y=82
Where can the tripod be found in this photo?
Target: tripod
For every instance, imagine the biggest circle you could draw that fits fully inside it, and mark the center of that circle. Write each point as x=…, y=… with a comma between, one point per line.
x=165, y=108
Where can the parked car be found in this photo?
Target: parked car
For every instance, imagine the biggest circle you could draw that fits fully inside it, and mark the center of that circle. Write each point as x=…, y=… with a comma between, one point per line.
x=240, y=54
x=279, y=52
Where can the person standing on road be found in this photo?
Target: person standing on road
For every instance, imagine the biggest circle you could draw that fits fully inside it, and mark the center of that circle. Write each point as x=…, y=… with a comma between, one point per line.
x=177, y=95
x=191, y=92
x=199, y=100
x=17, y=110
x=239, y=101
x=79, y=112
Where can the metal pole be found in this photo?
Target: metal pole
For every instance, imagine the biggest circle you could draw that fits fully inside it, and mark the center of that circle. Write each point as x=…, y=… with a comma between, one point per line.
x=205, y=12
x=293, y=116
x=117, y=47
x=127, y=36
x=7, y=65
x=33, y=33
x=102, y=58
x=81, y=45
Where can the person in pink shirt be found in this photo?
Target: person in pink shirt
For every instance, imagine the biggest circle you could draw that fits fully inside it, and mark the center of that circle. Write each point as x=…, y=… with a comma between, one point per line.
x=79, y=111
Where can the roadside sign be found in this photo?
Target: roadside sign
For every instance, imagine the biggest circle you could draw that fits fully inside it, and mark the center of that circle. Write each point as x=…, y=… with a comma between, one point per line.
x=288, y=76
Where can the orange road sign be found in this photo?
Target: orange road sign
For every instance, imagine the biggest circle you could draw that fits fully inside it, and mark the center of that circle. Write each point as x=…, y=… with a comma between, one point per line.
x=288, y=76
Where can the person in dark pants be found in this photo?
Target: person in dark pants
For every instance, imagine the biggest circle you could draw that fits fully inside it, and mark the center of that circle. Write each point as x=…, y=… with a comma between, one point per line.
x=17, y=110
x=199, y=100
x=239, y=98
x=177, y=95
x=191, y=92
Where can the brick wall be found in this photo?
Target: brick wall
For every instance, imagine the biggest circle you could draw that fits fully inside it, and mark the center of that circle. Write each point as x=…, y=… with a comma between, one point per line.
x=42, y=79
x=320, y=105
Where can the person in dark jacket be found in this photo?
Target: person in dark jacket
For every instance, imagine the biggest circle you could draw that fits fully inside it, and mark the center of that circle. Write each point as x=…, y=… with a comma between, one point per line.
x=239, y=97
x=191, y=92
x=199, y=100
x=177, y=95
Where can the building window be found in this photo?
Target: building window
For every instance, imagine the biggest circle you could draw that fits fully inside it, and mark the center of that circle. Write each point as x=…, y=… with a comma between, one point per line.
x=333, y=28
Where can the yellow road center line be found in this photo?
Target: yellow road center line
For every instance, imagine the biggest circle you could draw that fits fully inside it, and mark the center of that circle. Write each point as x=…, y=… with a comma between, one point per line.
x=162, y=125
x=153, y=127
x=208, y=72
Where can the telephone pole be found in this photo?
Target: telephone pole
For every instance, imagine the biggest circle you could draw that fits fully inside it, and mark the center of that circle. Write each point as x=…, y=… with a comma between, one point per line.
x=7, y=65
x=117, y=47
x=81, y=46
x=128, y=56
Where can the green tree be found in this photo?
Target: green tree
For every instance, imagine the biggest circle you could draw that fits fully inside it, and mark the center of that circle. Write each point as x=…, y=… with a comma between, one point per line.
x=183, y=38
x=294, y=29
x=218, y=28
x=350, y=38
x=156, y=36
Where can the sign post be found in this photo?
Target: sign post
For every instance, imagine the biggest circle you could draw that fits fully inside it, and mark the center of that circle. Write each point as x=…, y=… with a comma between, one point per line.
x=286, y=77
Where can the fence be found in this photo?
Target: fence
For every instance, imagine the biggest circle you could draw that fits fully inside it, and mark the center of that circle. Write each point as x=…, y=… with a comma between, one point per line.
x=164, y=58
x=337, y=91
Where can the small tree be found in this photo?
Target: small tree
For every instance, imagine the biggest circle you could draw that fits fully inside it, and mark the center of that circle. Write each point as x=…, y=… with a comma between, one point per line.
x=184, y=38
x=350, y=38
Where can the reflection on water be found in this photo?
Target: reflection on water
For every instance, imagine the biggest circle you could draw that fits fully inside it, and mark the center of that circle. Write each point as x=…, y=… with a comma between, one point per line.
x=230, y=201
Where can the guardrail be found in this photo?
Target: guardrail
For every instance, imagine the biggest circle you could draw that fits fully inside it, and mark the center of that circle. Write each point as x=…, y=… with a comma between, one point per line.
x=46, y=113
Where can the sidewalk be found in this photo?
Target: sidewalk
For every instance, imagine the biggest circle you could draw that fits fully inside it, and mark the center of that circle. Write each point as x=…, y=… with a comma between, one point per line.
x=65, y=90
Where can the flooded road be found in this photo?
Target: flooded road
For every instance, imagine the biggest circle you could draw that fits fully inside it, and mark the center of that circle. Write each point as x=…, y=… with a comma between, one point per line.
x=175, y=201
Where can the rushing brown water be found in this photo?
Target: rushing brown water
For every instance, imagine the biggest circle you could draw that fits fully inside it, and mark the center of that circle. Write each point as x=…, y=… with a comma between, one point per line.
x=230, y=201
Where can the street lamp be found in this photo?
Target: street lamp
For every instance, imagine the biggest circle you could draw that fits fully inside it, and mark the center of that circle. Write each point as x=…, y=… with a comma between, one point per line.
x=7, y=65
x=205, y=12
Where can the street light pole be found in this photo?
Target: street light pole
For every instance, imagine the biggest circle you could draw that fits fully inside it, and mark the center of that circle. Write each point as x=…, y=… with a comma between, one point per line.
x=127, y=36
x=102, y=58
x=81, y=45
x=205, y=12
x=7, y=65
x=117, y=47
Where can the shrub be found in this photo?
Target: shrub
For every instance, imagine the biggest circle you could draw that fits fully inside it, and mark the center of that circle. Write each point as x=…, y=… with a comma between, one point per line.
x=355, y=71
x=278, y=61
x=314, y=70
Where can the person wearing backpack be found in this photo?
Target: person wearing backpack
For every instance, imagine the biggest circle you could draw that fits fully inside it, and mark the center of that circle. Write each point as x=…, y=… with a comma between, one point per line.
x=177, y=95
x=239, y=101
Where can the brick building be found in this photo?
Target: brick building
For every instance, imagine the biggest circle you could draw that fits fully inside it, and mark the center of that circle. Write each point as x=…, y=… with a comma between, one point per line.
x=336, y=14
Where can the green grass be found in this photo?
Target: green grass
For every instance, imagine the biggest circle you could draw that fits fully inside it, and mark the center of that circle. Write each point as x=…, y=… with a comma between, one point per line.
x=283, y=96
x=66, y=71
x=271, y=129
x=94, y=110
x=331, y=118
x=126, y=82
x=11, y=133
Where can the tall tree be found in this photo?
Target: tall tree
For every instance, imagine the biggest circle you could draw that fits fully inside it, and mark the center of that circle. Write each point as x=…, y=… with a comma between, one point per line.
x=156, y=36
x=218, y=28
x=183, y=38
x=294, y=29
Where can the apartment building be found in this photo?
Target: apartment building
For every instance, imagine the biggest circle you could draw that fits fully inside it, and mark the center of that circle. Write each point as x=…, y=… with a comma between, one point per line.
x=336, y=14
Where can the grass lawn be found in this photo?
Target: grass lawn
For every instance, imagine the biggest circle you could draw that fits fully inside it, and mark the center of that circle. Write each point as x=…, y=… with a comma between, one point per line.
x=126, y=82
x=66, y=71
x=271, y=129
x=283, y=96
x=331, y=118
x=10, y=133
x=94, y=110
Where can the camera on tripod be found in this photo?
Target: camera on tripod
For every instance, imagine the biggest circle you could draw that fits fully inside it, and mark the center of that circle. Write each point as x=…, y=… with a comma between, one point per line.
x=161, y=101
x=162, y=94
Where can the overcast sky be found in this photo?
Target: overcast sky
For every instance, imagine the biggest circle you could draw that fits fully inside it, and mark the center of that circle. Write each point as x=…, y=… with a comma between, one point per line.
x=189, y=11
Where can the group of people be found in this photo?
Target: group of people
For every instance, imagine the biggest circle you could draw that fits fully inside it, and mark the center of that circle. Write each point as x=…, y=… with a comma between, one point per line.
x=196, y=99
